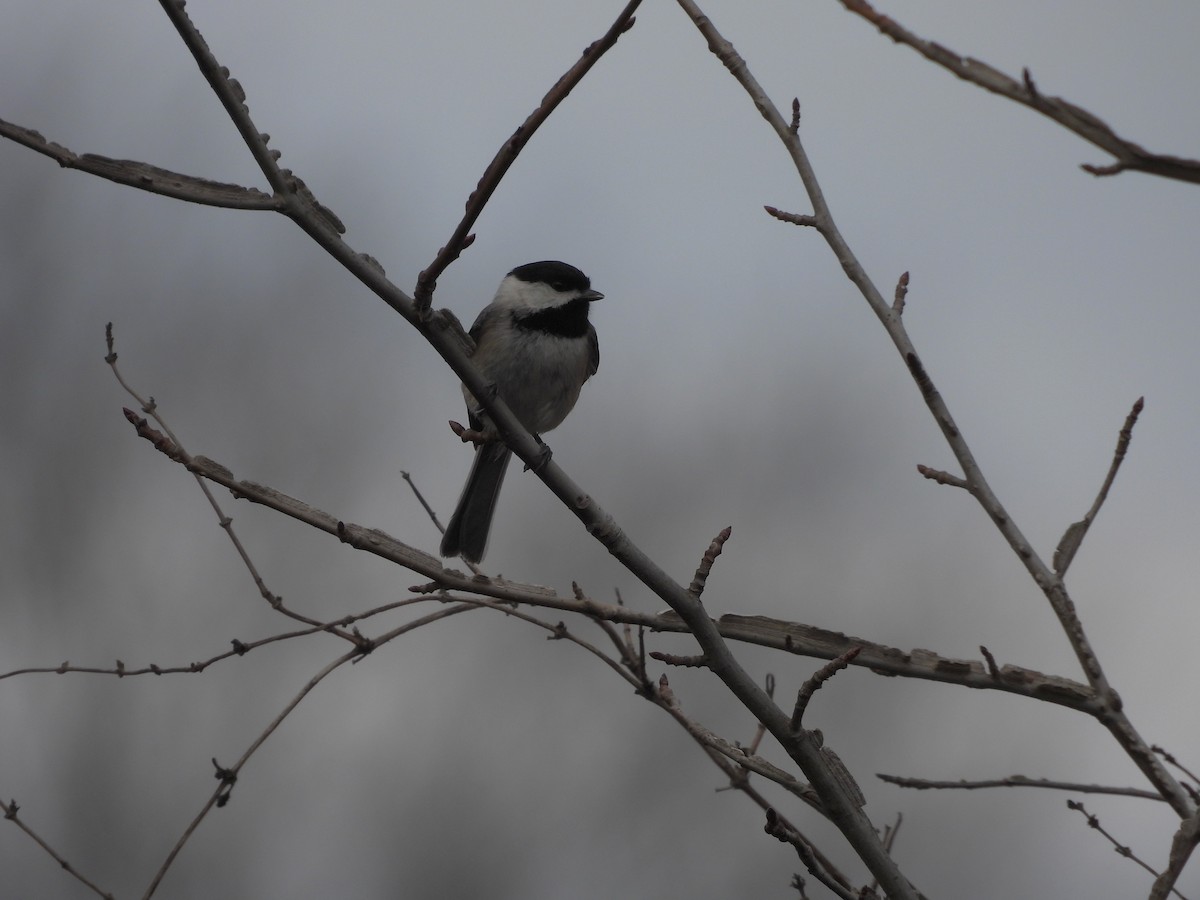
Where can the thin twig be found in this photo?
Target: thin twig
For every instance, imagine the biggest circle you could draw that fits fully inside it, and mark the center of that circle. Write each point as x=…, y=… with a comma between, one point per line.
x=921, y=784
x=1162, y=751
x=1123, y=850
x=1068, y=545
x=433, y=517
x=817, y=681
x=10, y=810
x=779, y=829
x=228, y=775
x=150, y=407
x=706, y=562
x=240, y=648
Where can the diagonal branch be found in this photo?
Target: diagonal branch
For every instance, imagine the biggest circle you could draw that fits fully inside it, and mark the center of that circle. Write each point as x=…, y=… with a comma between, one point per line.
x=921, y=784
x=763, y=631
x=144, y=176
x=1129, y=156
x=1068, y=545
x=507, y=154
x=10, y=811
x=1110, y=712
x=229, y=776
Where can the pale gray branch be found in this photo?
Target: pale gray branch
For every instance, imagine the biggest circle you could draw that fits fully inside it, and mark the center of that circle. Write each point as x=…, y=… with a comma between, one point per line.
x=1129, y=156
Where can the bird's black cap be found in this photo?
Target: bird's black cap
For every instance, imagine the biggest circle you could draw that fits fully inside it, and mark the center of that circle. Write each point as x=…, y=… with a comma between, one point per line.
x=559, y=275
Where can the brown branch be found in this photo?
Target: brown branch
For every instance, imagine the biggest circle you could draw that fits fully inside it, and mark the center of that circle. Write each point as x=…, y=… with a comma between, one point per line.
x=1068, y=545
x=10, y=810
x=169, y=444
x=1182, y=846
x=779, y=828
x=507, y=155
x=1109, y=711
x=227, y=776
x=1094, y=822
x=815, y=683
x=240, y=648
x=144, y=176
x=696, y=588
x=921, y=784
x=1129, y=156
x=792, y=637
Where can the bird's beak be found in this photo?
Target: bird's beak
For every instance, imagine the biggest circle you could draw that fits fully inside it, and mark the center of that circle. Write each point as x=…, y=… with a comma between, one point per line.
x=592, y=295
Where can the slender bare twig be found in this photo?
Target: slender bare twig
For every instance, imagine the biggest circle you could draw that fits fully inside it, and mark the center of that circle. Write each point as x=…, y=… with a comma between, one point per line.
x=943, y=477
x=1129, y=156
x=922, y=784
x=227, y=776
x=150, y=407
x=507, y=155
x=818, y=679
x=240, y=648
x=10, y=810
x=779, y=829
x=433, y=518
x=735, y=761
x=696, y=588
x=1094, y=822
x=1162, y=751
x=1068, y=545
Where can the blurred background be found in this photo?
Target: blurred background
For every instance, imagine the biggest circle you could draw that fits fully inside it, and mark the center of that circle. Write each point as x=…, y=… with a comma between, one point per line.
x=743, y=382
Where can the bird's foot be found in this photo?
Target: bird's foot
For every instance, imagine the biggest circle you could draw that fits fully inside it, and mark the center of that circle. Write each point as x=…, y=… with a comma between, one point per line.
x=544, y=454
x=469, y=435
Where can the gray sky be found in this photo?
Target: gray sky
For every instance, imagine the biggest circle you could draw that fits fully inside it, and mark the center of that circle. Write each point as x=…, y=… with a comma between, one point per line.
x=742, y=382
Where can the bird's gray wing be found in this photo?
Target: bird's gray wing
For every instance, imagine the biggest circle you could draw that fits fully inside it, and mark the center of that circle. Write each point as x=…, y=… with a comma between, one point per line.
x=593, y=351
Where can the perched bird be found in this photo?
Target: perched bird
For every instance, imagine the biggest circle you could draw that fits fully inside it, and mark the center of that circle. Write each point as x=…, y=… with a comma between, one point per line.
x=535, y=344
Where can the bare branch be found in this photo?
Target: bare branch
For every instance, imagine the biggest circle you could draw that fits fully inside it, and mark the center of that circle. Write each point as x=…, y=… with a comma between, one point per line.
x=1182, y=846
x=1162, y=751
x=1069, y=544
x=793, y=218
x=144, y=176
x=901, y=294
x=161, y=442
x=683, y=662
x=228, y=776
x=507, y=155
x=943, y=477
x=1127, y=852
x=1110, y=713
x=1129, y=155
x=779, y=829
x=793, y=637
x=10, y=810
x=921, y=784
x=814, y=684
x=706, y=563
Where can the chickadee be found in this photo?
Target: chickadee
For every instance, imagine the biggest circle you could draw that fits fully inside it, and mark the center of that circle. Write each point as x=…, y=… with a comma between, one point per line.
x=535, y=344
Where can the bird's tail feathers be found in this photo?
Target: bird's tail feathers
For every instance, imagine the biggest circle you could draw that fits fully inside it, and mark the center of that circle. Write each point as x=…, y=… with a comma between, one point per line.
x=467, y=533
